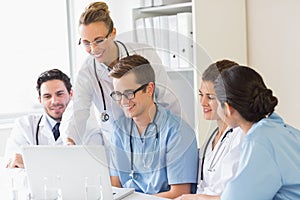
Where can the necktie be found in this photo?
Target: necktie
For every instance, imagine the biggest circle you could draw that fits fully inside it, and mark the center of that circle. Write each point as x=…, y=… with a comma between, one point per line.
x=55, y=131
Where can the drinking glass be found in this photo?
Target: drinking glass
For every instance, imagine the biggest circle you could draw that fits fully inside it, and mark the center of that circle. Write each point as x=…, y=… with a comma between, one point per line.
x=52, y=188
x=93, y=188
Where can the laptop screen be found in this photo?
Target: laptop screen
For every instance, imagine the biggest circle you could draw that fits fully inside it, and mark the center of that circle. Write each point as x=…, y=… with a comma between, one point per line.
x=69, y=168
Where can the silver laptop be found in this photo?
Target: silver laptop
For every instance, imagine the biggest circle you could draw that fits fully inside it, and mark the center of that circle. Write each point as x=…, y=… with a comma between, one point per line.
x=71, y=169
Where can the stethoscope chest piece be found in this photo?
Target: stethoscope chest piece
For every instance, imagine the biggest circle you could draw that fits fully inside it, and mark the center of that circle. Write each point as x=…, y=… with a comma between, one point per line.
x=131, y=175
x=104, y=117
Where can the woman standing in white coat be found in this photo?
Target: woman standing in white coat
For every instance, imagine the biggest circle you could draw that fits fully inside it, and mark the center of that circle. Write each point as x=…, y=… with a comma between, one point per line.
x=219, y=156
x=93, y=85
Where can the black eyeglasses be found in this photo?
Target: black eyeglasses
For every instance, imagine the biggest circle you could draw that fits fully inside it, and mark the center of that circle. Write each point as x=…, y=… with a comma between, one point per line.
x=129, y=94
x=97, y=42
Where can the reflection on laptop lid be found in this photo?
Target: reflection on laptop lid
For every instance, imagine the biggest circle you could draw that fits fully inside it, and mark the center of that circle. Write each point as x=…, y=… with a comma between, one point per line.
x=72, y=164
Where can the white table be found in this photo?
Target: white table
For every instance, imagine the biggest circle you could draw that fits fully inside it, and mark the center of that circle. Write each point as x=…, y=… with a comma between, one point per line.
x=6, y=185
x=139, y=196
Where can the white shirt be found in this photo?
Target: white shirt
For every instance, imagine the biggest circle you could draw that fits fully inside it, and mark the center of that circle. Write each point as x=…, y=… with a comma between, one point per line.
x=221, y=163
x=87, y=93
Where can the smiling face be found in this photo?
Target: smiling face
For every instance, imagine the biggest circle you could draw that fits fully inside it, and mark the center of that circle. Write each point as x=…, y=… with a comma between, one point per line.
x=105, y=51
x=139, y=106
x=54, y=98
x=208, y=100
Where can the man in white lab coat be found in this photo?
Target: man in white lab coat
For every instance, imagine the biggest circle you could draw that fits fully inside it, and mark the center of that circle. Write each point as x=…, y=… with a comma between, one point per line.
x=54, y=93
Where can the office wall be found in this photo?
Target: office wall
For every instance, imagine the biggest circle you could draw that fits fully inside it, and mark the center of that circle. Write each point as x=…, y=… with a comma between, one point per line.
x=4, y=134
x=274, y=49
x=121, y=13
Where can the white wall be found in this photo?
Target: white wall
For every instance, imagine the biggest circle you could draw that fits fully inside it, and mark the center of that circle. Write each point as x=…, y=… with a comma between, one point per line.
x=274, y=50
x=121, y=13
x=4, y=134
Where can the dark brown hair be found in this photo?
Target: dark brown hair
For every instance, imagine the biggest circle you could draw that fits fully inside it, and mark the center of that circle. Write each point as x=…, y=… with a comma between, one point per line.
x=244, y=89
x=213, y=71
x=53, y=74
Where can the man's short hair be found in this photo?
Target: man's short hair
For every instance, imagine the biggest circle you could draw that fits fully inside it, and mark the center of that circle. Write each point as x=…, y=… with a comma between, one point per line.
x=53, y=74
x=137, y=65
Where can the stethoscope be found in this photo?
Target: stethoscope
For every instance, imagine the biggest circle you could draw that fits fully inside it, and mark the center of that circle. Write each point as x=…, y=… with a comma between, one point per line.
x=37, y=131
x=104, y=115
x=155, y=144
x=206, y=146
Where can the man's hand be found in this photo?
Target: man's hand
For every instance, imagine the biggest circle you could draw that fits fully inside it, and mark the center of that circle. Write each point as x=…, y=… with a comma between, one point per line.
x=15, y=162
x=69, y=141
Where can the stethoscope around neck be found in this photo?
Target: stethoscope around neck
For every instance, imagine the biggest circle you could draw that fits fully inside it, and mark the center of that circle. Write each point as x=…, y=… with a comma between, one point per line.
x=206, y=146
x=146, y=165
x=37, y=131
x=104, y=115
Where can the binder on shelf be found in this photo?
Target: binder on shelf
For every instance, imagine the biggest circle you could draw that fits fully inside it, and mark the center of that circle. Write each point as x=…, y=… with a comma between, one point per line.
x=146, y=3
x=140, y=30
x=185, y=39
x=157, y=31
x=157, y=2
x=149, y=31
x=161, y=35
x=173, y=42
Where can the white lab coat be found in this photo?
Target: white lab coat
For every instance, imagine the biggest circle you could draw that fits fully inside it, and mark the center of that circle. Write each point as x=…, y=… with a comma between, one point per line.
x=25, y=130
x=220, y=164
x=87, y=93
x=24, y=134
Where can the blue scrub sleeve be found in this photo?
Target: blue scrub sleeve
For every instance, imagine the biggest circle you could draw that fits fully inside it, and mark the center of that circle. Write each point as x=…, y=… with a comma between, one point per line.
x=258, y=176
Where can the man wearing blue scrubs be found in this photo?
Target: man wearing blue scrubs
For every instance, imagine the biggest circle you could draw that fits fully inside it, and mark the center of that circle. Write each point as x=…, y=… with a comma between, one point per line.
x=153, y=150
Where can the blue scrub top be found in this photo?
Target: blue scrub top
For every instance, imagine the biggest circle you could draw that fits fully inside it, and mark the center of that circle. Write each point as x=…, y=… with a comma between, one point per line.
x=270, y=164
x=174, y=160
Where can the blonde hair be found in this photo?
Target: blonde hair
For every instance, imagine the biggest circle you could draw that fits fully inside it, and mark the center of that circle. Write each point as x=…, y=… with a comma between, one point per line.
x=97, y=12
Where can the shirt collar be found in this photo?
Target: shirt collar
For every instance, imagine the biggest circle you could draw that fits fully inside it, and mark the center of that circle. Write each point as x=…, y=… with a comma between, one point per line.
x=50, y=120
x=270, y=119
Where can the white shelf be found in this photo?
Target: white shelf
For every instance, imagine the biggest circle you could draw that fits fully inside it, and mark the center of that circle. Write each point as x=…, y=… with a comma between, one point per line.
x=167, y=9
x=209, y=19
x=181, y=78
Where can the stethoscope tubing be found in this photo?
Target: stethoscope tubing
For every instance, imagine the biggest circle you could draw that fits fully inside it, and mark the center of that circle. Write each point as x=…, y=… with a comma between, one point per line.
x=37, y=131
x=131, y=145
x=104, y=115
x=206, y=146
x=205, y=149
